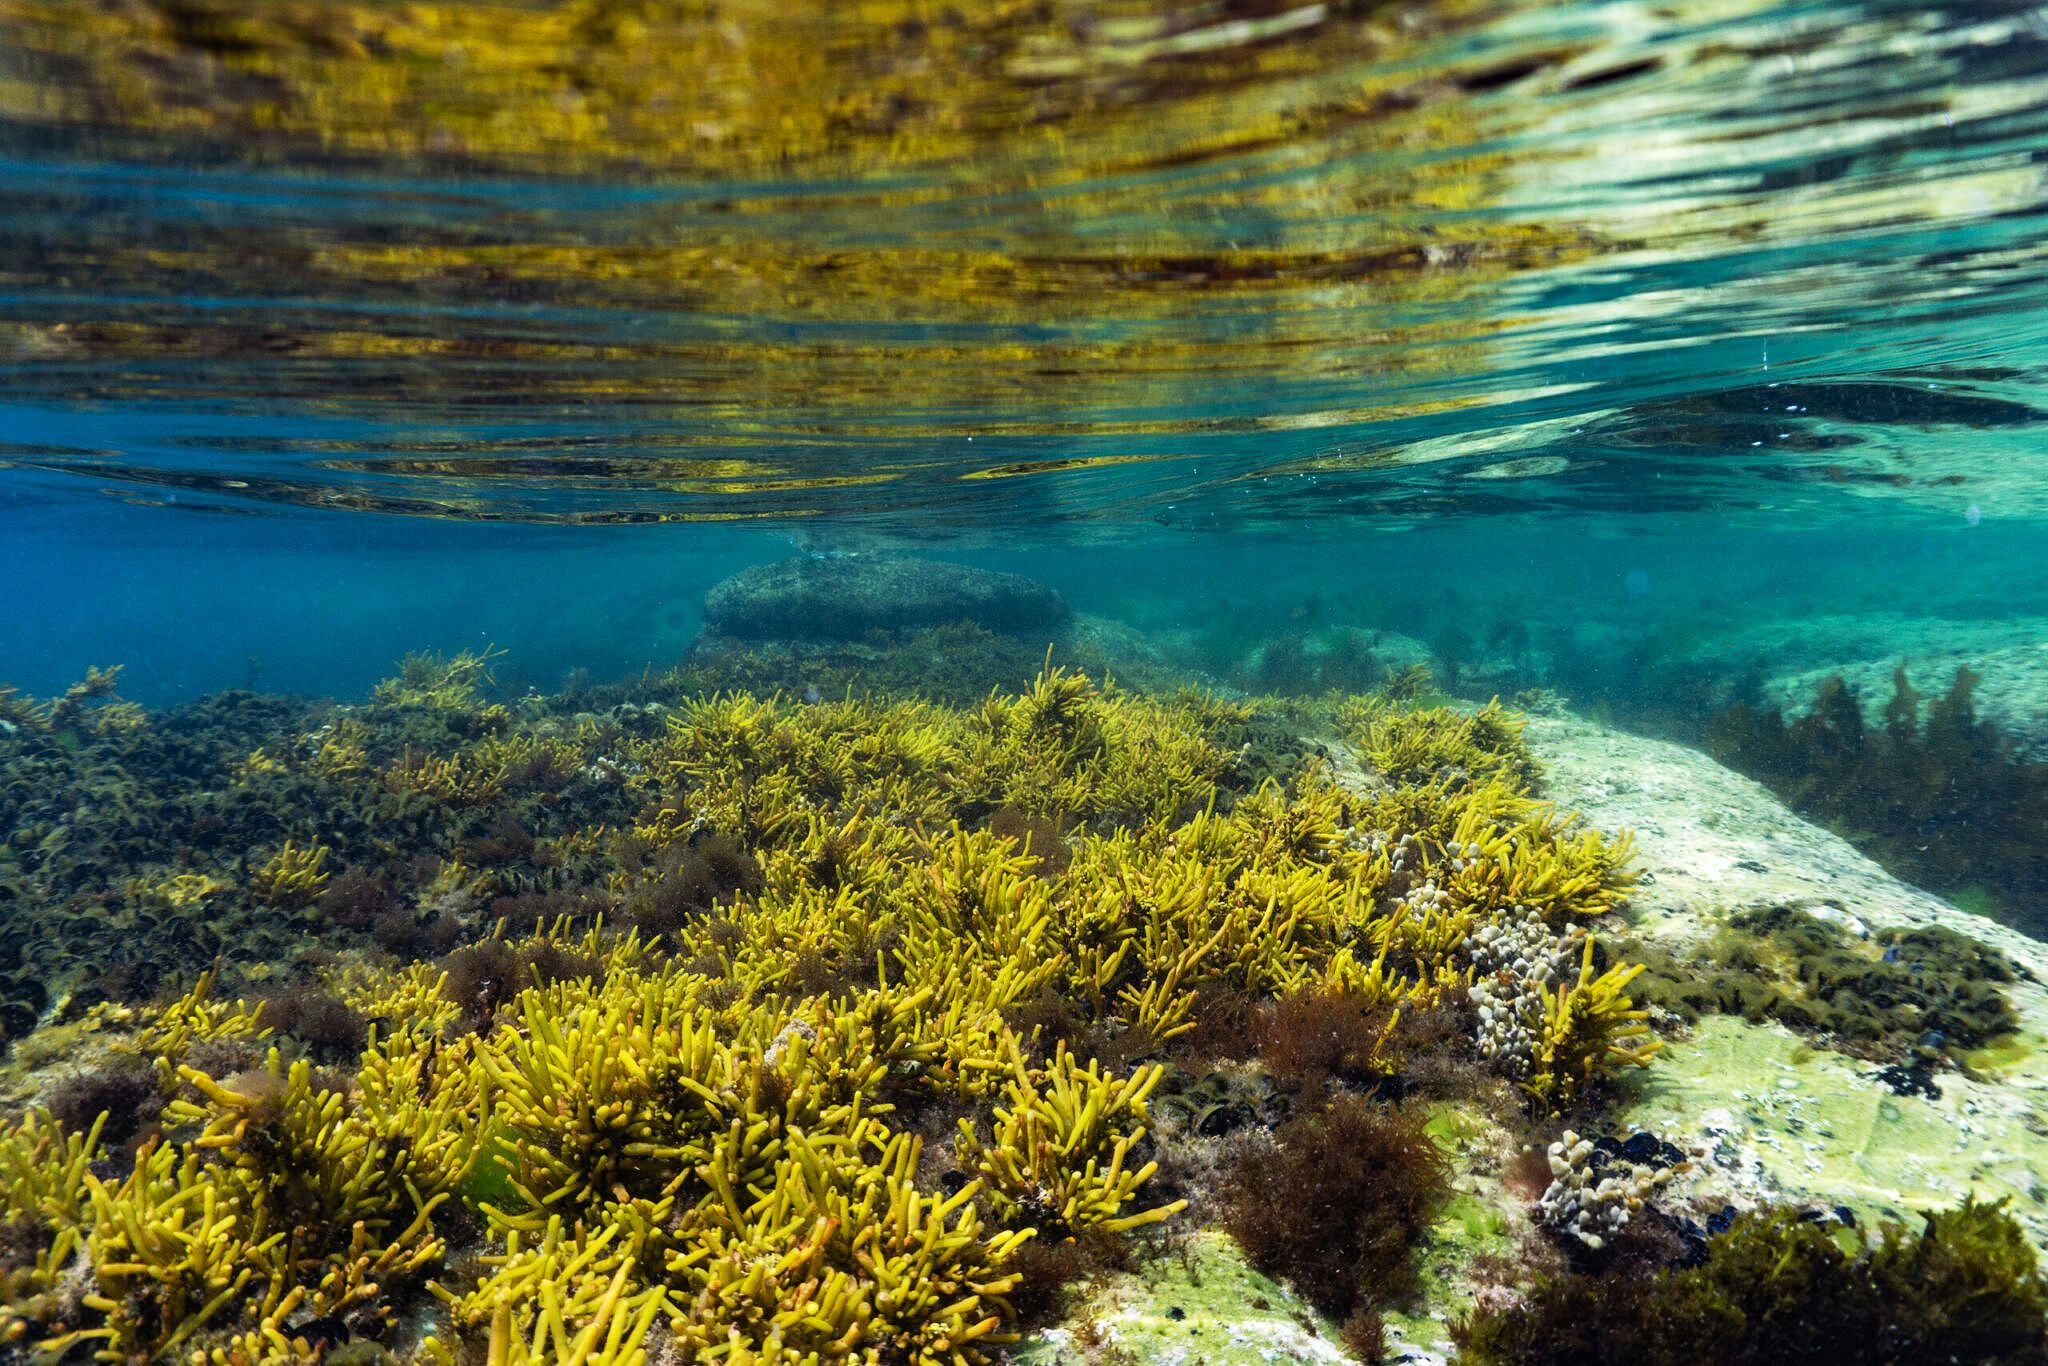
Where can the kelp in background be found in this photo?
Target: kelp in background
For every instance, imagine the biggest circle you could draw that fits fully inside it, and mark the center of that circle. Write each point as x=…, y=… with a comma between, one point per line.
x=1945, y=799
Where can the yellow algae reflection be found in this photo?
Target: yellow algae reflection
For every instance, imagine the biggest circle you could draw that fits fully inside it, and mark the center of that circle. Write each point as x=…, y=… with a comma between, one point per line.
x=756, y=87
x=777, y=259
x=997, y=211
x=1019, y=468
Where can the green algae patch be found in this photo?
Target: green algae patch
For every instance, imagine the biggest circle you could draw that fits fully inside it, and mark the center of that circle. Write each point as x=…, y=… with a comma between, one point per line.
x=1473, y=1222
x=2008, y=1054
x=1472, y=1228
x=1455, y=1127
x=1769, y=1119
x=1201, y=1301
x=490, y=1177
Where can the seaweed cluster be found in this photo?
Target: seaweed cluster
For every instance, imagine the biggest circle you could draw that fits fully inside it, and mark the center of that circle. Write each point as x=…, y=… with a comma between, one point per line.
x=1778, y=1287
x=1944, y=799
x=141, y=847
x=1299, y=662
x=829, y=1011
x=1337, y=1202
x=976, y=660
x=1902, y=996
x=1410, y=744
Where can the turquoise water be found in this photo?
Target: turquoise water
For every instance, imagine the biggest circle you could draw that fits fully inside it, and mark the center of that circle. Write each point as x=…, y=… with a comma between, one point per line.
x=1749, y=297
x=1585, y=348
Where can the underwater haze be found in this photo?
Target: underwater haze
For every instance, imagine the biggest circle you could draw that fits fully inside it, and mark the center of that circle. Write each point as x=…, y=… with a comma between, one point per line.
x=1075, y=681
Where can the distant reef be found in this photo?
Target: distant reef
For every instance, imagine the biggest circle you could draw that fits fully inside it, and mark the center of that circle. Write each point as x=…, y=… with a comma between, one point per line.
x=846, y=597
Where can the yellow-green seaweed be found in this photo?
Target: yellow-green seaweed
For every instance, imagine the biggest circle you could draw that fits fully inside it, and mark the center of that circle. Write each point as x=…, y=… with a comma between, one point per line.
x=712, y=1134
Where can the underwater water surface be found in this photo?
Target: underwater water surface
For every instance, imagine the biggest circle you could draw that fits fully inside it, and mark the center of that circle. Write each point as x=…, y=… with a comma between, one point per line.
x=744, y=629
x=1333, y=280
x=1756, y=289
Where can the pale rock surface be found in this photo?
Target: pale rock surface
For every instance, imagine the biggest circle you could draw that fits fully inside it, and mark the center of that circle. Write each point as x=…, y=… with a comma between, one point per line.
x=1770, y=1115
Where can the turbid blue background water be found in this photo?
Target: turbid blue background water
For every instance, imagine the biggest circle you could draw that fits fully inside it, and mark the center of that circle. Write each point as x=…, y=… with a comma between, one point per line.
x=326, y=603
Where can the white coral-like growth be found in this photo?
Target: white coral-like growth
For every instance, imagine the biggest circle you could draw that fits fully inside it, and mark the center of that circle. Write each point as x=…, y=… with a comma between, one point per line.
x=1592, y=1206
x=1504, y=1035
x=1516, y=958
x=1519, y=943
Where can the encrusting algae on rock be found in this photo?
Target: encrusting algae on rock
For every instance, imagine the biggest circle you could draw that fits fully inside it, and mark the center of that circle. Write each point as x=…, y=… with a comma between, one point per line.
x=722, y=1028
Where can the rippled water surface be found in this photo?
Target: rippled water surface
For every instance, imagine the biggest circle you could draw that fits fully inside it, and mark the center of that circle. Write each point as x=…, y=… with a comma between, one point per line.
x=963, y=270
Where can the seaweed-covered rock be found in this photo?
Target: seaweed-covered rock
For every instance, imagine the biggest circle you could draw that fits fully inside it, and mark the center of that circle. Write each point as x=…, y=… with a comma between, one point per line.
x=1925, y=992
x=1766, y=1114
x=845, y=597
x=1775, y=1286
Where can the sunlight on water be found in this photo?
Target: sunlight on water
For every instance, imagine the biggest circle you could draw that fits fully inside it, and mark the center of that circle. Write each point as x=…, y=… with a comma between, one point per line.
x=1091, y=264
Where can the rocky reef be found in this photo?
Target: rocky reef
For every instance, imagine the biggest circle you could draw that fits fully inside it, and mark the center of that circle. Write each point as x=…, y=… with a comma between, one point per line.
x=844, y=597
x=673, y=1021
x=1782, y=1105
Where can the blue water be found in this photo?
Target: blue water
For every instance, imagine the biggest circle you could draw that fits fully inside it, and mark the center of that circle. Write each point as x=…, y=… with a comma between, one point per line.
x=324, y=605
x=1540, y=315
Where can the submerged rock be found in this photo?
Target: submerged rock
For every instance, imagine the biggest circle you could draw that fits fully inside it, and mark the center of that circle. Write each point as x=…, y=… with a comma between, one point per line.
x=1767, y=1114
x=1209, y=1304
x=1790, y=656
x=846, y=597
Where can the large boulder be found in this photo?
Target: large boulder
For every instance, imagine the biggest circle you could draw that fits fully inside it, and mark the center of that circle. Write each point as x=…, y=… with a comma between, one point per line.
x=846, y=597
